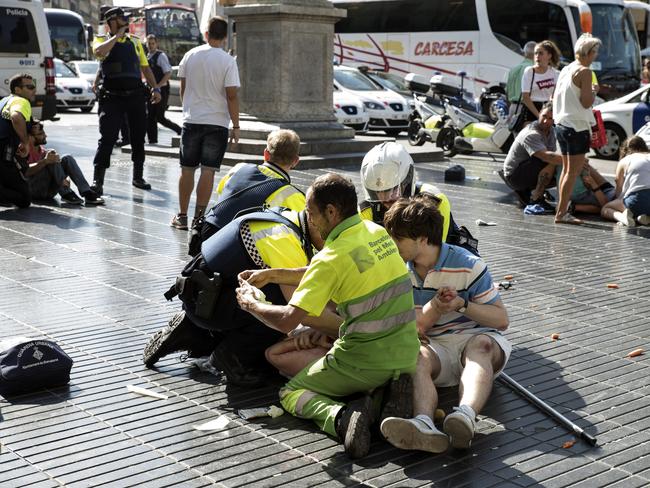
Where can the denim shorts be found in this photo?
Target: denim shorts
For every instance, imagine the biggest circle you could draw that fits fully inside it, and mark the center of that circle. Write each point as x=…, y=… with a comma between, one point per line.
x=638, y=202
x=203, y=144
x=589, y=197
x=572, y=142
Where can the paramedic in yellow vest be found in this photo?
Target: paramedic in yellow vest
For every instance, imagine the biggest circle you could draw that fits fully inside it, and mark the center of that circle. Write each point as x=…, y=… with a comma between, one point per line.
x=360, y=270
x=123, y=63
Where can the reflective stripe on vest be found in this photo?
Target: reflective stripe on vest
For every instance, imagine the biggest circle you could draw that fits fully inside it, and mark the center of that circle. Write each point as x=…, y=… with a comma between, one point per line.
x=368, y=305
x=281, y=196
x=381, y=325
x=272, y=231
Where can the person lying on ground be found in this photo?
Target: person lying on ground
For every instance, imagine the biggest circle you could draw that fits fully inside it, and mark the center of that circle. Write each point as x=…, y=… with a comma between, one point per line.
x=590, y=192
x=632, y=203
x=460, y=317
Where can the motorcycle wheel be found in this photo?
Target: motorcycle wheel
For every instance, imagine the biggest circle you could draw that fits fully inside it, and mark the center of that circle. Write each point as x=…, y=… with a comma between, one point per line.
x=446, y=141
x=413, y=132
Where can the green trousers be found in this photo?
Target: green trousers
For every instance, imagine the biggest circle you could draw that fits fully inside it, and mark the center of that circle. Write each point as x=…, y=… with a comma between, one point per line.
x=310, y=394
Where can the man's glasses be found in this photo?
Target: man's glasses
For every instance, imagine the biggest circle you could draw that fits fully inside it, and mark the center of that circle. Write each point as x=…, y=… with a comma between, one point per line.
x=29, y=87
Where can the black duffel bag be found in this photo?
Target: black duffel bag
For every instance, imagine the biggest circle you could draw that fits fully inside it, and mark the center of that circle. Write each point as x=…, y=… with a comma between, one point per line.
x=28, y=365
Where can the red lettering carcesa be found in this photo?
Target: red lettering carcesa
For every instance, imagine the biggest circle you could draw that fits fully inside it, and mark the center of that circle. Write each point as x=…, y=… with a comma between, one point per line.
x=445, y=48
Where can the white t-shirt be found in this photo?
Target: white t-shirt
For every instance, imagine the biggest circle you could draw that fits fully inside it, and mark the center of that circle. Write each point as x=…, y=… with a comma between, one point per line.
x=207, y=71
x=543, y=84
x=637, y=173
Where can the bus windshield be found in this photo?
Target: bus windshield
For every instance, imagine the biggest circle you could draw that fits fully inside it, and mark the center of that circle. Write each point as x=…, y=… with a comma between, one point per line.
x=176, y=30
x=68, y=35
x=619, y=54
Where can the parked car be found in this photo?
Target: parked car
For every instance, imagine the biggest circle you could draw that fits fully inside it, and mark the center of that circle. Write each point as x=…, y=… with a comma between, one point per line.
x=72, y=91
x=86, y=69
x=388, y=111
x=174, y=89
x=623, y=117
x=349, y=110
x=390, y=81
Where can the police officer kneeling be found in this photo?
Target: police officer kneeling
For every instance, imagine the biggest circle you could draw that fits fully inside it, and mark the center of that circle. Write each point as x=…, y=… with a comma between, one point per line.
x=212, y=321
x=123, y=62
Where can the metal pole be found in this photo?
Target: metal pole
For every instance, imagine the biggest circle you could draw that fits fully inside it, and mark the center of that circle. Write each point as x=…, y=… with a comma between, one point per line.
x=546, y=408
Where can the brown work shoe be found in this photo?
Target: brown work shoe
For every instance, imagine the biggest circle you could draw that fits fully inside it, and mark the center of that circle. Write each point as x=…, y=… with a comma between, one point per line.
x=398, y=398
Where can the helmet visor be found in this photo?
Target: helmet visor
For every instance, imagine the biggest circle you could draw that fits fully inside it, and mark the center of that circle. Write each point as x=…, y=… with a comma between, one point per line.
x=390, y=195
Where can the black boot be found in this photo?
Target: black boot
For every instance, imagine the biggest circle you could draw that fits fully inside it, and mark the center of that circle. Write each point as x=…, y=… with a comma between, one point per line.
x=353, y=427
x=138, y=180
x=98, y=180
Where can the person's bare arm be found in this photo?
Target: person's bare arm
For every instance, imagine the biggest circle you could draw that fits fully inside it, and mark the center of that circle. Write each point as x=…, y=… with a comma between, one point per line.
x=327, y=322
x=232, y=99
x=549, y=157
x=182, y=90
x=51, y=157
x=283, y=318
x=582, y=80
x=620, y=177
x=528, y=102
x=102, y=50
x=163, y=81
x=282, y=276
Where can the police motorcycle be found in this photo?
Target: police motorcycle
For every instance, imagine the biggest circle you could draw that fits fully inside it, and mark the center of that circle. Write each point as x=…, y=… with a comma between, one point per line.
x=484, y=137
x=425, y=121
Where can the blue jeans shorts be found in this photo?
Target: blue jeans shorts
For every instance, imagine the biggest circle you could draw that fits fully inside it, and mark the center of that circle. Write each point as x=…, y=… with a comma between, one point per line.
x=572, y=142
x=638, y=202
x=589, y=197
x=203, y=144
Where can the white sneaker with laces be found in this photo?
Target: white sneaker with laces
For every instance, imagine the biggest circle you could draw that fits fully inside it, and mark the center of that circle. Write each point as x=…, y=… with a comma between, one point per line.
x=414, y=434
x=459, y=426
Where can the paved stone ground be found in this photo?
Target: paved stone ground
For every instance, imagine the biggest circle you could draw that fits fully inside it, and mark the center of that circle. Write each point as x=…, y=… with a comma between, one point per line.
x=92, y=279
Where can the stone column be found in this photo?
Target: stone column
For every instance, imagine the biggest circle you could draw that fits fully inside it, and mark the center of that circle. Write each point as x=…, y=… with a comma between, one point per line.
x=284, y=53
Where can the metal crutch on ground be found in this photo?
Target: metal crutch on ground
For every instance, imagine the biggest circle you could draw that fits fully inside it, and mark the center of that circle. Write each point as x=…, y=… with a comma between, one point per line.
x=546, y=408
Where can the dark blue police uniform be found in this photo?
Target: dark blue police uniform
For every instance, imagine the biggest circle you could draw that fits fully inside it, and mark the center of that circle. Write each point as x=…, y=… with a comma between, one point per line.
x=122, y=92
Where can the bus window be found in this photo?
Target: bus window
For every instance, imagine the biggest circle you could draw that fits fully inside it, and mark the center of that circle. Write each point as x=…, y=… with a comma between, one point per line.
x=613, y=25
x=17, y=31
x=408, y=16
x=515, y=22
x=176, y=31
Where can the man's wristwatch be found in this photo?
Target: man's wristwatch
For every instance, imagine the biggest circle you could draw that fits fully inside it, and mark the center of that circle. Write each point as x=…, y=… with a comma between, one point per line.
x=156, y=90
x=463, y=307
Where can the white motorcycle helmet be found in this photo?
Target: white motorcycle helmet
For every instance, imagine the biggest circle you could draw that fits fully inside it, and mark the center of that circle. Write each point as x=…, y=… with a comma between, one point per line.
x=387, y=173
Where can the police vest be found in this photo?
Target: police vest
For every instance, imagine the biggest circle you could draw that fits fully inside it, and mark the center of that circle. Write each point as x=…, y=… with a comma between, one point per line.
x=247, y=189
x=5, y=124
x=121, y=68
x=155, y=68
x=225, y=252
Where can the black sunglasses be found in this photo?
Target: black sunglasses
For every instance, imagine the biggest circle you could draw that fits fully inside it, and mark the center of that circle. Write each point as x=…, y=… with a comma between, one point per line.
x=29, y=87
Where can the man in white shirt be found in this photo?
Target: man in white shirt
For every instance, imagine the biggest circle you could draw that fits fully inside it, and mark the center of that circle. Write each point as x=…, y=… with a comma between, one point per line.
x=209, y=83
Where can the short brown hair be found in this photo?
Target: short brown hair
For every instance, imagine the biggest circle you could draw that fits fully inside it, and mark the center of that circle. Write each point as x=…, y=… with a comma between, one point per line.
x=334, y=189
x=217, y=28
x=283, y=145
x=412, y=218
x=152, y=37
x=632, y=145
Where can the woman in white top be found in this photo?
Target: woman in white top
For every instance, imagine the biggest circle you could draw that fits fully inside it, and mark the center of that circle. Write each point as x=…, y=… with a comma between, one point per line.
x=574, y=95
x=632, y=204
x=538, y=81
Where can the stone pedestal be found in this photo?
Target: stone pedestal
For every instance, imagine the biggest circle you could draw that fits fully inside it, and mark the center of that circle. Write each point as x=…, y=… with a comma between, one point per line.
x=284, y=53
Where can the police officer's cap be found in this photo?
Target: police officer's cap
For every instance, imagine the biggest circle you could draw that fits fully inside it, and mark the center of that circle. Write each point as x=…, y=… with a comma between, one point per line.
x=115, y=13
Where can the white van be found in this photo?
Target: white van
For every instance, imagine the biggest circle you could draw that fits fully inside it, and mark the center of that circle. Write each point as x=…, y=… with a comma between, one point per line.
x=25, y=48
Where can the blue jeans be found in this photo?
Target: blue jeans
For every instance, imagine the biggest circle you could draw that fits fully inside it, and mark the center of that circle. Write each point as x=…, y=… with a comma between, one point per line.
x=572, y=142
x=203, y=144
x=638, y=202
x=49, y=181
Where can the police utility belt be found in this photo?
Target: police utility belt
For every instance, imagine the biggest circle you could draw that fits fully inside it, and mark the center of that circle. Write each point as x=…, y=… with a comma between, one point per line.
x=103, y=92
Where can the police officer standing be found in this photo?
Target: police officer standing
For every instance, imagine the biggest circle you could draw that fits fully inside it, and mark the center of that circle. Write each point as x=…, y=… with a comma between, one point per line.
x=123, y=62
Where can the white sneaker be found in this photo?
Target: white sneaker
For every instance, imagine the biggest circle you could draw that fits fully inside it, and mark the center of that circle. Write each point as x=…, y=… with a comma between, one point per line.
x=625, y=217
x=643, y=219
x=459, y=426
x=413, y=434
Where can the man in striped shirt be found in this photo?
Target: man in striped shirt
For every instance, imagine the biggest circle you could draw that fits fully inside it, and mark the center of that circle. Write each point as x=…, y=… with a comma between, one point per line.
x=460, y=317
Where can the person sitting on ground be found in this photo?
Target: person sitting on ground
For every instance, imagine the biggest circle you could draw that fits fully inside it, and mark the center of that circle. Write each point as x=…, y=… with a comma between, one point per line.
x=49, y=174
x=251, y=185
x=460, y=317
x=388, y=173
x=530, y=164
x=632, y=204
x=591, y=191
x=234, y=339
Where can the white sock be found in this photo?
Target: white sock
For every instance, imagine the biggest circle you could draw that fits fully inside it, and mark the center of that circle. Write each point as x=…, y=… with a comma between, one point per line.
x=468, y=410
x=428, y=421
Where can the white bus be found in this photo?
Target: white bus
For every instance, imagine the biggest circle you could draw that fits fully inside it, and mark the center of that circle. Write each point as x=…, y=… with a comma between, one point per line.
x=484, y=38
